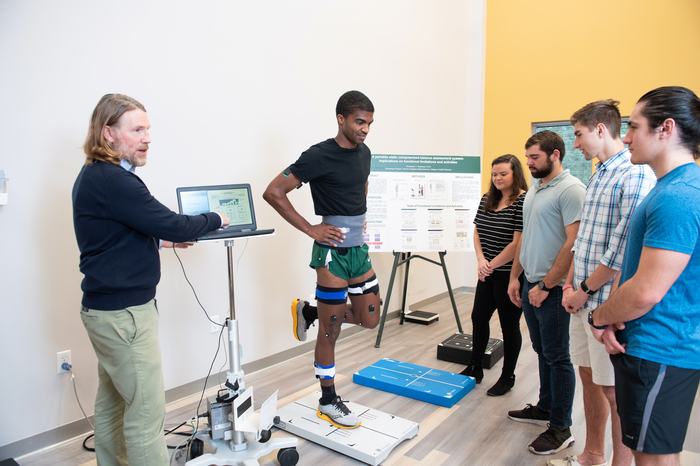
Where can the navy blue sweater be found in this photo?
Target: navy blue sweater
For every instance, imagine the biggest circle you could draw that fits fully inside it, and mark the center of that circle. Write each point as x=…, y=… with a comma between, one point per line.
x=118, y=224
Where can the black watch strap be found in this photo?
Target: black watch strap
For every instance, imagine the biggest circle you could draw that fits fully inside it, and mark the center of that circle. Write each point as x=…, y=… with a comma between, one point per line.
x=542, y=286
x=587, y=290
x=590, y=321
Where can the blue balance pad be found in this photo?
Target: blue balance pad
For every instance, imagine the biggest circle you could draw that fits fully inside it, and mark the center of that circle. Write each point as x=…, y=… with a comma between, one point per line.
x=422, y=383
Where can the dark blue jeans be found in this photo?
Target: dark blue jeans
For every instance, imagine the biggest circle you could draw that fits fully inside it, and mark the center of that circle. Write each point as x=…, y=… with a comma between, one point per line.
x=549, y=332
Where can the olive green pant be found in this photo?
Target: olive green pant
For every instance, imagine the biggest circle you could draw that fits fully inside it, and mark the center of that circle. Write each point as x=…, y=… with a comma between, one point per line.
x=130, y=402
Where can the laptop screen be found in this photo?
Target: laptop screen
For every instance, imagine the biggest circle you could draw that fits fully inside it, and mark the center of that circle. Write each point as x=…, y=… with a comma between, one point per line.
x=234, y=201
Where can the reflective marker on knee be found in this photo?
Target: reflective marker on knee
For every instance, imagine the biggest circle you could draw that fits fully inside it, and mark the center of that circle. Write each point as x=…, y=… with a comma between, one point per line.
x=324, y=372
x=326, y=335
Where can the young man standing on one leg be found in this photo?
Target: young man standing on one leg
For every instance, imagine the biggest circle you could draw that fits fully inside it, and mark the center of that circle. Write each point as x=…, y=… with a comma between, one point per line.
x=653, y=317
x=611, y=195
x=337, y=170
x=551, y=215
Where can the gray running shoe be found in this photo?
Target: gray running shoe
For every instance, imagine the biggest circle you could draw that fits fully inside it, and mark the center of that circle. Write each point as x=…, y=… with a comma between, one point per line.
x=338, y=414
x=300, y=324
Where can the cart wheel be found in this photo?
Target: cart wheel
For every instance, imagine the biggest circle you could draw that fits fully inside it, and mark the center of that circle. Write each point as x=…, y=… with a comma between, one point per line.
x=196, y=448
x=288, y=456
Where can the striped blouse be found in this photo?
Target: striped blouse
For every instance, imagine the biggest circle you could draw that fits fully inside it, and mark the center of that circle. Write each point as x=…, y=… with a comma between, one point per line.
x=496, y=228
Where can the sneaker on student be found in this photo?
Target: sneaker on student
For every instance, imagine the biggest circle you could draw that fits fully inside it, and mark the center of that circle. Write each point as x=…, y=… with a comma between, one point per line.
x=300, y=324
x=551, y=441
x=531, y=415
x=571, y=461
x=338, y=414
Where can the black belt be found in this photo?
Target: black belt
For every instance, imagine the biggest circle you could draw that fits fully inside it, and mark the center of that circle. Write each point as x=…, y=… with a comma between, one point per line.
x=341, y=250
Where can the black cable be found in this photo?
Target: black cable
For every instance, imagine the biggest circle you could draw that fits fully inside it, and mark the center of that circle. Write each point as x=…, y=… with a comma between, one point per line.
x=165, y=432
x=184, y=434
x=85, y=442
x=206, y=379
x=193, y=291
x=225, y=360
x=174, y=429
x=180, y=447
x=218, y=345
x=216, y=355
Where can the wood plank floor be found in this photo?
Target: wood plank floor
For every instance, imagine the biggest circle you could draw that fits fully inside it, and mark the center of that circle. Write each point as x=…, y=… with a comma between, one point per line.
x=476, y=431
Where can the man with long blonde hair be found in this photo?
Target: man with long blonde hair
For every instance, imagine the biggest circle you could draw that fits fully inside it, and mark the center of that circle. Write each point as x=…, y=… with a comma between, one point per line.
x=119, y=227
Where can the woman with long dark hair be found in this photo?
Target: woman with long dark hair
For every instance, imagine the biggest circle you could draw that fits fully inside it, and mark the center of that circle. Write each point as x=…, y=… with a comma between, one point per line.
x=498, y=226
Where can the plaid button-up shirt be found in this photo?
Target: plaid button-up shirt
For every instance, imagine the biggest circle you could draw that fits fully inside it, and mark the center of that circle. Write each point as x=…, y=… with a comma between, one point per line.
x=612, y=193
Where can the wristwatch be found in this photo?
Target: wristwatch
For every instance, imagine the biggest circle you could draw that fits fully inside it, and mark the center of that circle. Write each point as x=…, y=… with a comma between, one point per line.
x=587, y=290
x=541, y=286
x=590, y=321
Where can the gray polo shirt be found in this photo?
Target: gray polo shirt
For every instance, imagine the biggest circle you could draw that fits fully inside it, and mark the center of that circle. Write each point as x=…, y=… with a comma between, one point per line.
x=547, y=210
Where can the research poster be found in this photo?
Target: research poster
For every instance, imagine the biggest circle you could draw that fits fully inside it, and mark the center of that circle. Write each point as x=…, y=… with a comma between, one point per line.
x=421, y=203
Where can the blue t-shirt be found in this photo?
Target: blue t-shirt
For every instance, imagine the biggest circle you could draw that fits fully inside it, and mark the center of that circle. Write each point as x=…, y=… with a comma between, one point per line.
x=668, y=218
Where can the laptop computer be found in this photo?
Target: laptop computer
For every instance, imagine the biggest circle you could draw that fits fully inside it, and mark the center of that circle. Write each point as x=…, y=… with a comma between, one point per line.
x=233, y=200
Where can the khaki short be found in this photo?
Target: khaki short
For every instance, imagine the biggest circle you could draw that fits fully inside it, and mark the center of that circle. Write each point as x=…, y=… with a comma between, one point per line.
x=586, y=351
x=345, y=263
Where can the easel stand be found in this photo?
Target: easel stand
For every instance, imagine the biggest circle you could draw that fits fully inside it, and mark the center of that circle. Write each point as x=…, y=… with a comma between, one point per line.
x=398, y=261
x=242, y=445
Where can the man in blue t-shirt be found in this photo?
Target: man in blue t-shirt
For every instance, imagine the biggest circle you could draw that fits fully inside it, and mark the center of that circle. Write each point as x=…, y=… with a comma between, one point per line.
x=651, y=323
x=337, y=170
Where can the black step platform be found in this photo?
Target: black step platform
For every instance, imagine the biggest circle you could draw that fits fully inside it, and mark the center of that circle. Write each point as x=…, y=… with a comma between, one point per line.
x=422, y=317
x=458, y=349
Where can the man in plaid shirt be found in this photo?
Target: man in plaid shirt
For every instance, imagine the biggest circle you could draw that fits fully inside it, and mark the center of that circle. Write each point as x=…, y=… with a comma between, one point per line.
x=611, y=195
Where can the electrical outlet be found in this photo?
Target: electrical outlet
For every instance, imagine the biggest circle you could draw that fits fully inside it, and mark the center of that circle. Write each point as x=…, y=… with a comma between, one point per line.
x=61, y=357
x=214, y=327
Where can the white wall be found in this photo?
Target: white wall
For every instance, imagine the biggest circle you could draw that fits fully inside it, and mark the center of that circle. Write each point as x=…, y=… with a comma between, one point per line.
x=235, y=91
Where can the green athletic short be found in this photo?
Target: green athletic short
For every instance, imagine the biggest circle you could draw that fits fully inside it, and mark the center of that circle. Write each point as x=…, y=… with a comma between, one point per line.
x=354, y=263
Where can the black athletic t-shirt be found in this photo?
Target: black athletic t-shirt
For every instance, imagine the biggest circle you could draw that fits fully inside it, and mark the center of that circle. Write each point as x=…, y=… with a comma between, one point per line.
x=337, y=177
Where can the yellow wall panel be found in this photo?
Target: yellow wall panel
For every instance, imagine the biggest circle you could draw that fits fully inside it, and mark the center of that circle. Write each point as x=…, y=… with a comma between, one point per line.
x=547, y=58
